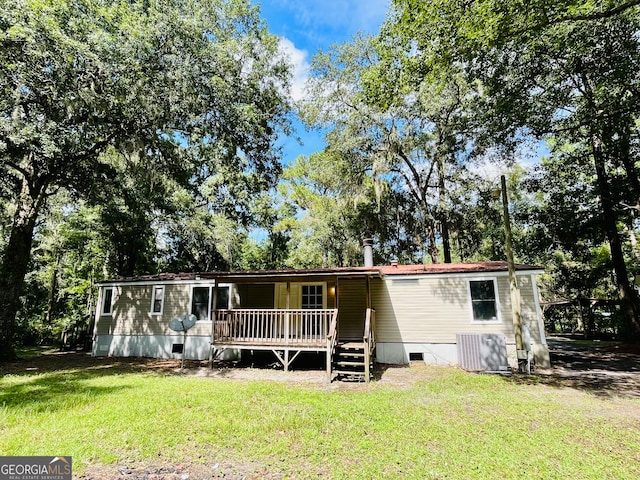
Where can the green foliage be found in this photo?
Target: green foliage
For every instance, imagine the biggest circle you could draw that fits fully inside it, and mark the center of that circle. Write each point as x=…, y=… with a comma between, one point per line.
x=309, y=430
x=561, y=71
x=126, y=105
x=412, y=139
x=333, y=208
x=70, y=253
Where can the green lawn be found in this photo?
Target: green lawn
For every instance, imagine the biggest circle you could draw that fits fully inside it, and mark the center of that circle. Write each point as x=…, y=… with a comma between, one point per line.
x=443, y=424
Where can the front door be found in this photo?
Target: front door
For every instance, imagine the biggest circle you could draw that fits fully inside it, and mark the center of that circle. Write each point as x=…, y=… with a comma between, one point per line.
x=303, y=296
x=295, y=299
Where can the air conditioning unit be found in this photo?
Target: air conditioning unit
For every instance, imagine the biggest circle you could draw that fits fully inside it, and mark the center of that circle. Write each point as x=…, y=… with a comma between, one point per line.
x=482, y=352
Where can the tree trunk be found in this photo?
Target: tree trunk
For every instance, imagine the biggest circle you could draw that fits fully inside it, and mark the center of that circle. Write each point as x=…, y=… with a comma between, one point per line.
x=634, y=241
x=627, y=297
x=15, y=262
x=624, y=153
x=442, y=206
x=53, y=290
x=432, y=246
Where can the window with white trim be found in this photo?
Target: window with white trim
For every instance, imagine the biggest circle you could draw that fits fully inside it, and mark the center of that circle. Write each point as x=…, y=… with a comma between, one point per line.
x=222, y=302
x=157, y=300
x=484, y=300
x=202, y=301
x=107, y=301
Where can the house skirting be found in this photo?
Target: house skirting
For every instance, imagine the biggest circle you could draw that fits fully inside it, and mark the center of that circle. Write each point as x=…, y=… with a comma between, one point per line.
x=156, y=346
x=446, y=353
x=432, y=353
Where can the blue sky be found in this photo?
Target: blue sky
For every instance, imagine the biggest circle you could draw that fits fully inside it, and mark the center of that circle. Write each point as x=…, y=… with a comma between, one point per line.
x=306, y=26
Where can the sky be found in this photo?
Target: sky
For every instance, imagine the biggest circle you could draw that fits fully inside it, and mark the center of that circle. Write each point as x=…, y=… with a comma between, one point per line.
x=304, y=28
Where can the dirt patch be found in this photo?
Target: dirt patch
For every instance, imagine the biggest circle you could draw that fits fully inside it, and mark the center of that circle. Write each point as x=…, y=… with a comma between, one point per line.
x=210, y=470
x=398, y=376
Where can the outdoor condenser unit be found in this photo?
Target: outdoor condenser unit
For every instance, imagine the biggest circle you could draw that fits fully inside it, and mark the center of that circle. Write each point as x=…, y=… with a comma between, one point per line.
x=485, y=352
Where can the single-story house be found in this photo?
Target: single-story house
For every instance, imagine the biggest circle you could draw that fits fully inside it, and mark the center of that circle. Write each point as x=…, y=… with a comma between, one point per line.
x=457, y=314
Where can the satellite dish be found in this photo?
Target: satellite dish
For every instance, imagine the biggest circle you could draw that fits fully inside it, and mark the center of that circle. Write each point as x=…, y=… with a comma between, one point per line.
x=182, y=324
x=189, y=321
x=176, y=325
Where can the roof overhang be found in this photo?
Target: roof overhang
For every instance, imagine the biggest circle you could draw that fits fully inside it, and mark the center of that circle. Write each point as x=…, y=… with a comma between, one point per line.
x=255, y=276
x=444, y=269
x=314, y=275
x=329, y=274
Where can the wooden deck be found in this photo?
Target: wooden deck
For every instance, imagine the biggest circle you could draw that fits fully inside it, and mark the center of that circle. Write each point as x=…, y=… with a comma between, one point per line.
x=280, y=328
x=285, y=332
x=289, y=332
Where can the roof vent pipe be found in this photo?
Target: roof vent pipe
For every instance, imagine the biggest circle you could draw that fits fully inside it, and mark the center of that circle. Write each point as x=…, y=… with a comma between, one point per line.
x=368, y=252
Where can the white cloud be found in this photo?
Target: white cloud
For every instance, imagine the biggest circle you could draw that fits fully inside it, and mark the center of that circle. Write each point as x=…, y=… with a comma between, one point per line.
x=352, y=15
x=300, y=64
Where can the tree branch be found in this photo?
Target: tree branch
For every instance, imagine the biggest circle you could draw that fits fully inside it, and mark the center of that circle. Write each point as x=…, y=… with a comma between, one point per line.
x=549, y=21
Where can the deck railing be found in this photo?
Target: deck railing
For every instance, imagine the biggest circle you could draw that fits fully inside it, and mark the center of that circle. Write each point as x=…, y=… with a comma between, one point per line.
x=272, y=327
x=369, y=340
x=332, y=340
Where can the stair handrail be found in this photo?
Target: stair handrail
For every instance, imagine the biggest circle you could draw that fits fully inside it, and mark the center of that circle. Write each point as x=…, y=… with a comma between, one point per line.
x=332, y=339
x=369, y=340
x=372, y=344
x=369, y=336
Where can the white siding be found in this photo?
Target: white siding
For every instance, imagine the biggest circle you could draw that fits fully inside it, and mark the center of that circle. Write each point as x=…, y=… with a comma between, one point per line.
x=433, y=309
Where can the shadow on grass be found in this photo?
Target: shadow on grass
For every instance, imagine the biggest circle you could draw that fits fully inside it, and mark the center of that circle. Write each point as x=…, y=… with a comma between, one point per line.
x=380, y=370
x=58, y=380
x=54, y=391
x=605, y=370
x=598, y=384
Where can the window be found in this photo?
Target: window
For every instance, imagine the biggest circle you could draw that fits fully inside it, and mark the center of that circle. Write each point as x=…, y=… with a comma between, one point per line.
x=202, y=301
x=484, y=300
x=223, y=298
x=312, y=297
x=107, y=301
x=157, y=301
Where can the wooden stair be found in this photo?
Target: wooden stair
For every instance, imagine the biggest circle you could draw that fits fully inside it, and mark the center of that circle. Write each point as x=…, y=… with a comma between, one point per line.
x=349, y=361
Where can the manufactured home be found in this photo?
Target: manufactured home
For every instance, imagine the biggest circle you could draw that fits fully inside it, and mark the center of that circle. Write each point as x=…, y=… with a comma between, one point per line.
x=457, y=314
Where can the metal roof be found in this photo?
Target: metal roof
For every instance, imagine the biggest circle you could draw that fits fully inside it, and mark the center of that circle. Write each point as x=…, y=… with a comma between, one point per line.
x=443, y=268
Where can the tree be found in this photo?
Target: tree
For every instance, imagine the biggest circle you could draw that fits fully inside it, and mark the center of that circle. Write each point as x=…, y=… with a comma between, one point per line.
x=411, y=138
x=329, y=226
x=69, y=254
x=177, y=88
x=563, y=69
x=338, y=205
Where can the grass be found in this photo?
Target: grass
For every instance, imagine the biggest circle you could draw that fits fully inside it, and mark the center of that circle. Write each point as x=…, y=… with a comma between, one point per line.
x=447, y=424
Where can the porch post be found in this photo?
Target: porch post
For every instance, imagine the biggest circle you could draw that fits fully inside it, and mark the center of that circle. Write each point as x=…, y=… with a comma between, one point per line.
x=368, y=292
x=286, y=315
x=214, y=306
x=367, y=345
x=213, y=322
x=329, y=360
x=338, y=308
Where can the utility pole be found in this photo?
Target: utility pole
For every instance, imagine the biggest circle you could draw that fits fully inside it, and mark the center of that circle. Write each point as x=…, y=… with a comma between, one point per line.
x=521, y=352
